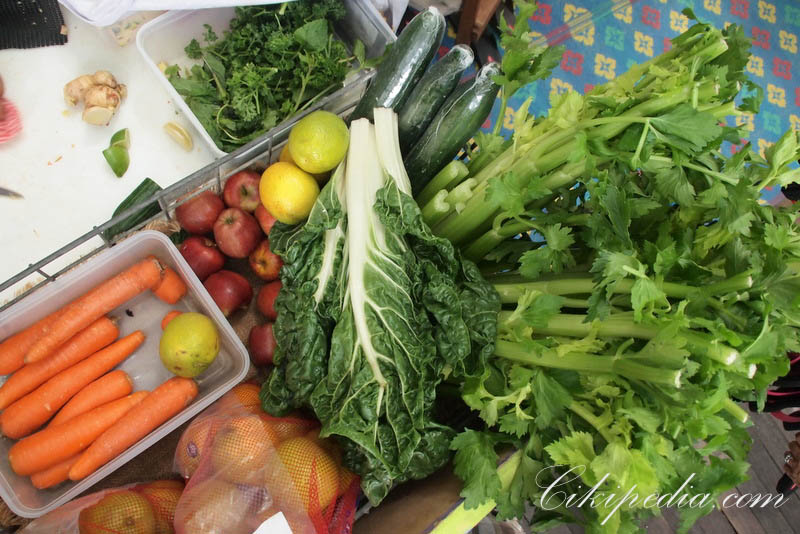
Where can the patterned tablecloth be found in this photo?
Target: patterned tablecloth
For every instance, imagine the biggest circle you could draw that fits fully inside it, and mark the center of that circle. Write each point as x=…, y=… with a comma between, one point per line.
x=604, y=38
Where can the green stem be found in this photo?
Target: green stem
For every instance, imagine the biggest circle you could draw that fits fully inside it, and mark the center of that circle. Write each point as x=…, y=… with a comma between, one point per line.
x=477, y=212
x=575, y=325
x=739, y=282
x=586, y=363
x=574, y=361
x=622, y=325
x=567, y=302
x=450, y=176
x=437, y=209
x=722, y=110
x=635, y=161
x=584, y=413
x=489, y=240
x=735, y=410
x=706, y=171
x=461, y=193
x=503, y=101
x=511, y=290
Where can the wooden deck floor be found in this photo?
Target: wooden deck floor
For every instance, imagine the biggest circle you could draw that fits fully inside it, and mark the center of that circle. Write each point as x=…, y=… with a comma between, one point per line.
x=766, y=459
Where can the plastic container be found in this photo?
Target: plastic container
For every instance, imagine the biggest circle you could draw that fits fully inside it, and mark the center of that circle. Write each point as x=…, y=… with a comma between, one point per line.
x=164, y=39
x=144, y=366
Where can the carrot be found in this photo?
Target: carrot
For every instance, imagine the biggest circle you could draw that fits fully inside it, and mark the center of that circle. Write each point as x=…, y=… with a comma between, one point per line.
x=82, y=345
x=55, y=474
x=171, y=289
x=82, y=311
x=165, y=401
x=105, y=389
x=57, y=443
x=13, y=349
x=34, y=409
x=168, y=317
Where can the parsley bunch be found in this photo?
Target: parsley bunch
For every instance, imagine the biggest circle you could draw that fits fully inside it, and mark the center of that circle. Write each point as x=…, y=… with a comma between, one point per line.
x=273, y=62
x=646, y=289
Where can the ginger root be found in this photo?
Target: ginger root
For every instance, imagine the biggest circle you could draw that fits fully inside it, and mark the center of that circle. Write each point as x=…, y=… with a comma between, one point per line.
x=101, y=94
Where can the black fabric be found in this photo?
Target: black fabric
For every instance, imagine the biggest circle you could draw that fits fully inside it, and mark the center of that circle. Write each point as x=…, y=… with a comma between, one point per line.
x=31, y=24
x=792, y=192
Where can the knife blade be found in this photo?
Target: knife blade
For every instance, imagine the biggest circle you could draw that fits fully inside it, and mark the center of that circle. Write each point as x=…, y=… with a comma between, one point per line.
x=9, y=193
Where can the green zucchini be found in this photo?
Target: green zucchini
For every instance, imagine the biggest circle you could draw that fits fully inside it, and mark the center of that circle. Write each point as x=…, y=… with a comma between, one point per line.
x=430, y=93
x=459, y=118
x=404, y=64
x=143, y=191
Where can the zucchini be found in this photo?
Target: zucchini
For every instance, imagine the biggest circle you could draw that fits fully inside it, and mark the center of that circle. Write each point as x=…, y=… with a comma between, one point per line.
x=404, y=64
x=143, y=191
x=458, y=119
x=430, y=93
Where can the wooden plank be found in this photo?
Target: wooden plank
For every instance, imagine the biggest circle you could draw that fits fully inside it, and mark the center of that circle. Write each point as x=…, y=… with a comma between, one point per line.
x=769, y=518
x=769, y=433
x=672, y=515
x=742, y=519
x=766, y=469
x=713, y=523
x=659, y=525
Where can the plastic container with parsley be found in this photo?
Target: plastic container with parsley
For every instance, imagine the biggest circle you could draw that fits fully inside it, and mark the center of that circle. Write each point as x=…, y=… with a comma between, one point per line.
x=245, y=71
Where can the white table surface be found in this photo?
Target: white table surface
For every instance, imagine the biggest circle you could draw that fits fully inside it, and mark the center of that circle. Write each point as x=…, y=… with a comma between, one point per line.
x=56, y=162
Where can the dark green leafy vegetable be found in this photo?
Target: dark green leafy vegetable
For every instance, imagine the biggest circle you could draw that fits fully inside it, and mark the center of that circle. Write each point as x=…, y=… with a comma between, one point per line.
x=374, y=313
x=273, y=62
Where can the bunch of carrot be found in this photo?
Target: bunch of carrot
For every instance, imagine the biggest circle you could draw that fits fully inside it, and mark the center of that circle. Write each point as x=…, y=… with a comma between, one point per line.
x=63, y=363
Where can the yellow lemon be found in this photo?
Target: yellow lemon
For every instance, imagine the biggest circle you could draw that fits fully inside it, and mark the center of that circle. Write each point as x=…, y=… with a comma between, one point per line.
x=189, y=344
x=288, y=192
x=318, y=142
x=285, y=156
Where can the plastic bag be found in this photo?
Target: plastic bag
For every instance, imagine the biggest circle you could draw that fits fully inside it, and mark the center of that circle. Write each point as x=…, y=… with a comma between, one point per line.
x=148, y=508
x=245, y=466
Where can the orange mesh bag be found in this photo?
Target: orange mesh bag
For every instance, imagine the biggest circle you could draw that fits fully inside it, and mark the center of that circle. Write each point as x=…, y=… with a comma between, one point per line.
x=245, y=466
x=146, y=508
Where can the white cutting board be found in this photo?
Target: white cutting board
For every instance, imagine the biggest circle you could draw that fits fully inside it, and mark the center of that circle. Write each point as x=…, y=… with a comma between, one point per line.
x=56, y=161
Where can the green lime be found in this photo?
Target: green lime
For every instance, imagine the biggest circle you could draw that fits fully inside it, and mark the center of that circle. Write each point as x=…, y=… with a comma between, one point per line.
x=318, y=142
x=189, y=344
x=118, y=159
x=122, y=138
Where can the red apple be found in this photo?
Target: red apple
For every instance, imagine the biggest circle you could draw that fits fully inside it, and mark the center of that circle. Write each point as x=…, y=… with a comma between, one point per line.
x=229, y=290
x=265, y=263
x=241, y=190
x=202, y=255
x=261, y=344
x=198, y=215
x=237, y=233
x=266, y=299
x=264, y=218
